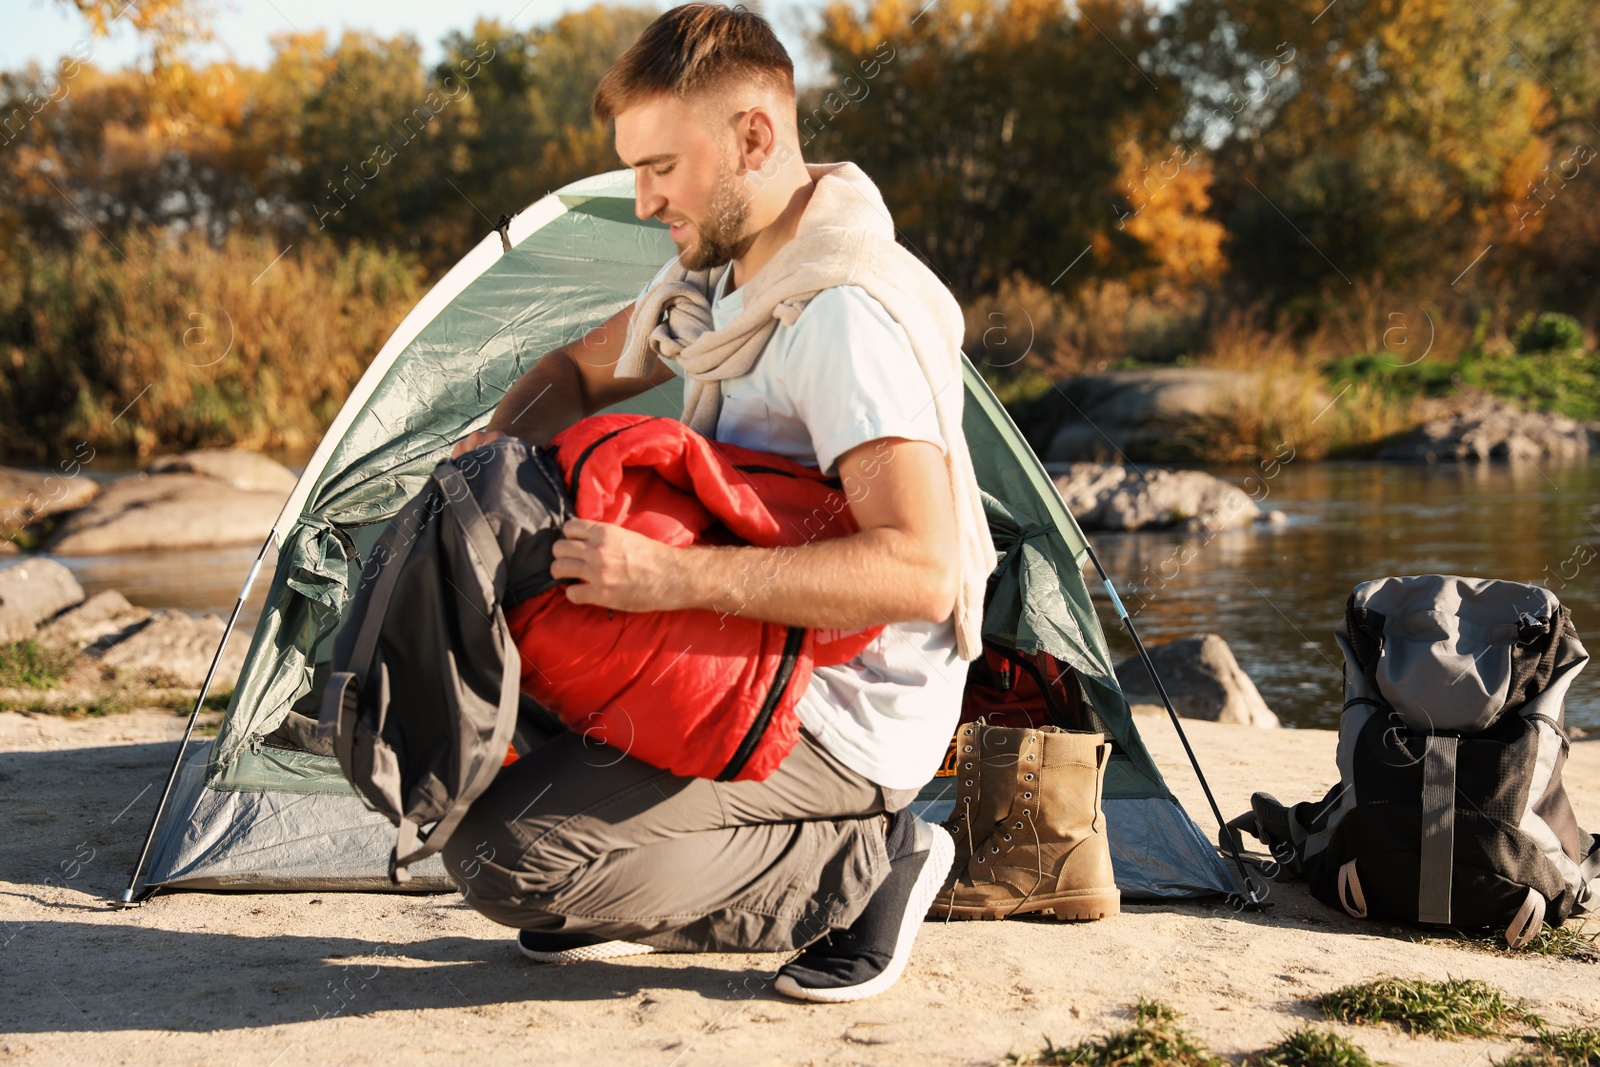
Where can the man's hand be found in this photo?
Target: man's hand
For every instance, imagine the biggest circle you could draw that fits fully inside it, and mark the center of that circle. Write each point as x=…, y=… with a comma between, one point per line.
x=900, y=566
x=617, y=568
x=474, y=440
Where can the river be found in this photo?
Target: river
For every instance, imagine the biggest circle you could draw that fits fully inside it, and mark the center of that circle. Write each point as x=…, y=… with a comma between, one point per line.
x=1274, y=593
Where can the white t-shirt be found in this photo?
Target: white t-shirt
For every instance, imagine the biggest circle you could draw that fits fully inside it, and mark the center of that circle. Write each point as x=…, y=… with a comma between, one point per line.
x=844, y=374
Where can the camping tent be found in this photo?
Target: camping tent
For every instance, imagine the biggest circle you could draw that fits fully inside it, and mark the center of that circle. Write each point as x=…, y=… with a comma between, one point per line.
x=244, y=811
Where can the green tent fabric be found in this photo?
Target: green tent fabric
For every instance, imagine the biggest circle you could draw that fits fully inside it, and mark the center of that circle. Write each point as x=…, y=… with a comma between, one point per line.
x=247, y=812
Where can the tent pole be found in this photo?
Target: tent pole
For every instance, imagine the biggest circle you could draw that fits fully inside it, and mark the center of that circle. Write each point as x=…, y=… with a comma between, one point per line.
x=1253, y=901
x=128, y=897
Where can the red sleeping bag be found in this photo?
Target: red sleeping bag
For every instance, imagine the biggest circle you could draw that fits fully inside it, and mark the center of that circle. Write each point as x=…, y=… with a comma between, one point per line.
x=700, y=693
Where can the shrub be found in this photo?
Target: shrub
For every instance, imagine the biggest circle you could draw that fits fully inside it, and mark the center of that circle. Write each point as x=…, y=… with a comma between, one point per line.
x=26, y=664
x=1550, y=332
x=169, y=342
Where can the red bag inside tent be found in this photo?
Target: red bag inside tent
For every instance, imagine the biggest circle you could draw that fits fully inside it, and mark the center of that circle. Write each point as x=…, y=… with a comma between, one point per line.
x=708, y=694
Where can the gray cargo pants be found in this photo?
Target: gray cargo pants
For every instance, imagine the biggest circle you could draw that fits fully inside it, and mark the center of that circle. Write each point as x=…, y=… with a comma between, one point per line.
x=580, y=837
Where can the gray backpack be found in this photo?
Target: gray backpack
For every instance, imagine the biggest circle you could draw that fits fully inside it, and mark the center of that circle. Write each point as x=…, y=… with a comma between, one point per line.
x=1450, y=808
x=424, y=694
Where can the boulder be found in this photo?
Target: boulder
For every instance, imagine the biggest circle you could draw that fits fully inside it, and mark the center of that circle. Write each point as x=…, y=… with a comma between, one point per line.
x=1490, y=430
x=177, y=510
x=176, y=648
x=31, y=592
x=1203, y=679
x=1134, y=414
x=1104, y=497
x=27, y=497
x=102, y=618
x=240, y=469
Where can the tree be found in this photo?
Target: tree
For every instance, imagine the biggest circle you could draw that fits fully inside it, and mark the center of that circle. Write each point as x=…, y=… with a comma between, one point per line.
x=167, y=26
x=1392, y=138
x=106, y=151
x=1001, y=134
x=374, y=140
x=530, y=129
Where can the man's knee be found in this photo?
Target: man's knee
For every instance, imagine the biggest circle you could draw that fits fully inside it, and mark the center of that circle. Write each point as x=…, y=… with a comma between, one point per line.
x=490, y=860
x=478, y=855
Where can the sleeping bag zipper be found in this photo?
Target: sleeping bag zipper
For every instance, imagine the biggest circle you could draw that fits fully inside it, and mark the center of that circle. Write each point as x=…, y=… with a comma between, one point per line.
x=583, y=457
x=757, y=468
x=780, y=682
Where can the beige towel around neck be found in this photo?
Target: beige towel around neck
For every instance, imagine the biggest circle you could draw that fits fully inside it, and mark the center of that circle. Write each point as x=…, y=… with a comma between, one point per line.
x=844, y=237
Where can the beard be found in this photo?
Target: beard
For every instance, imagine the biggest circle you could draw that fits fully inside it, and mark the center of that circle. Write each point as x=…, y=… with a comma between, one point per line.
x=722, y=235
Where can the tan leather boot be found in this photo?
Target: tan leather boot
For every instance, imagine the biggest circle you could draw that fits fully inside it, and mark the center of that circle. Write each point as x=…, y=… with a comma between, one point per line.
x=978, y=745
x=1039, y=834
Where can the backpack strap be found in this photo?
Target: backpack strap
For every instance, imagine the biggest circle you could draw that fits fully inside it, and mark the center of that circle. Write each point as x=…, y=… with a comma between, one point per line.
x=1589, y=872
x=1350, y=896
x=475, y=528
x=1528, y=920
x=341, y=697
x=406, y=849
x=1438, y=829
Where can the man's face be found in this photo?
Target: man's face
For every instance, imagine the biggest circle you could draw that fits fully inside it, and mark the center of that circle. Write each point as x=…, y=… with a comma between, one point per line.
x=686, y=177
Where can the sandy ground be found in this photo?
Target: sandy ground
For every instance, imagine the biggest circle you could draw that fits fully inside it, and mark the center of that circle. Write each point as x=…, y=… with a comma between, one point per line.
x=276, y=980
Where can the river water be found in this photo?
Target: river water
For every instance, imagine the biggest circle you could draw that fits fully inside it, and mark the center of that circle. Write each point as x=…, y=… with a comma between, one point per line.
x=1274, y=593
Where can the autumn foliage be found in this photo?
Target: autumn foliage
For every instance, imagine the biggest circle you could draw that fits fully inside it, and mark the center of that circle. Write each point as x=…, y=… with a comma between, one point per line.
x=1126, y=180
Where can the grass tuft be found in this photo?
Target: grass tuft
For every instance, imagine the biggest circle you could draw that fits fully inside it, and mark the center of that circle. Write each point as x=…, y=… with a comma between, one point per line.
x=1455, y=1007
x=1581, y=1044
x=1577, y=1047
x=1567, y=942
x=1152, y=1041
x=27, y=664
x=1564, y=942
x=1310, y=1047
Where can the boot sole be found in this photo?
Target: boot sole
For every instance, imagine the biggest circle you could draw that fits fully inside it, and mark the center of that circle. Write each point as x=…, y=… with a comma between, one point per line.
x=1067, y=907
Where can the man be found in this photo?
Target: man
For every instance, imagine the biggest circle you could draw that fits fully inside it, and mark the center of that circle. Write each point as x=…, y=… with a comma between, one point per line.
x=595, y=854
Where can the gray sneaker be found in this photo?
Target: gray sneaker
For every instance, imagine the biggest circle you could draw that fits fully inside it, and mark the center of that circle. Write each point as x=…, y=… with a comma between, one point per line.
x=869, y=957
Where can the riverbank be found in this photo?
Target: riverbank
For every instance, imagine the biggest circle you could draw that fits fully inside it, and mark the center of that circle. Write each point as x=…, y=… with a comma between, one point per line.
x=1216, y=415
x=1272, y=590
x=282, y=979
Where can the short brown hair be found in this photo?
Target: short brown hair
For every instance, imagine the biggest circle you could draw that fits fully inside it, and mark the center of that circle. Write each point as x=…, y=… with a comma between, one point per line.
x=691, y=49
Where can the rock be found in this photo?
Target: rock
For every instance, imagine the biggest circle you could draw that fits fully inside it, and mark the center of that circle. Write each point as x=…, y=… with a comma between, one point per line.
x=27, y=497
x=1203, y=679
x=240, y=469
x=1491, y=430
x=104, y=616
x=179, y=510
x=1103, y=497
x=177, y=648
x=1135, y=414
x=31, y=592
x=1085, y=486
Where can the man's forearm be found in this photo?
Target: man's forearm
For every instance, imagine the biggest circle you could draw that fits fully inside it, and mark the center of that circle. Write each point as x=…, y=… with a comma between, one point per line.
x=543, y=402
x=869, y=578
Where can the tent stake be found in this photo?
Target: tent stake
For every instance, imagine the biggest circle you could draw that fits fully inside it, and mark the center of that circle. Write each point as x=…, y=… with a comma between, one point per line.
x=129, y=900
x=1252, y=900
